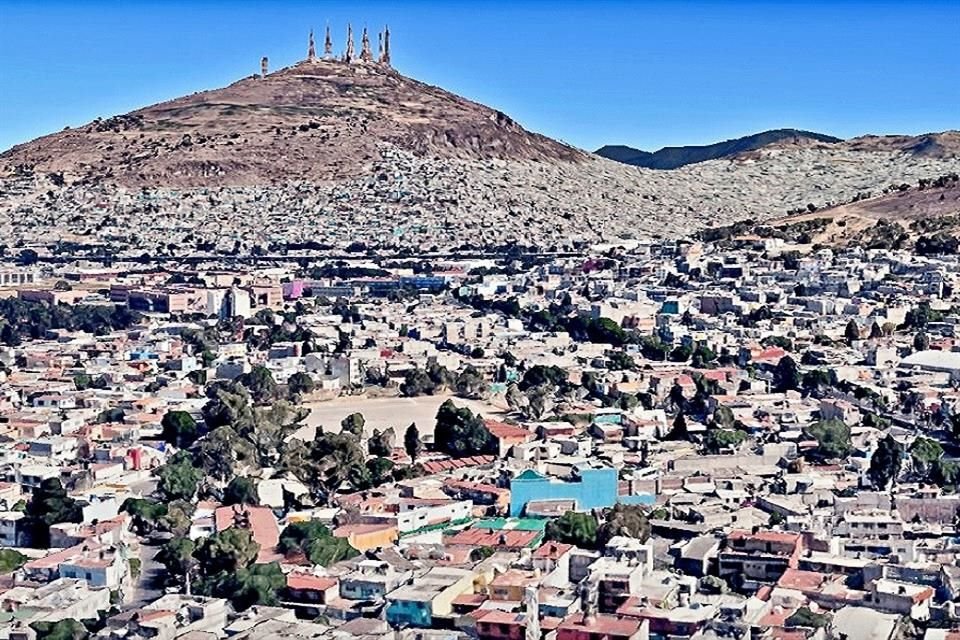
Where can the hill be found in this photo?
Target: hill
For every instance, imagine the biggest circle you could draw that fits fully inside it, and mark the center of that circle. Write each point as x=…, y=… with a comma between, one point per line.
x=329, y=153
x=896, y=217
x=676, y=157
x=316, y=121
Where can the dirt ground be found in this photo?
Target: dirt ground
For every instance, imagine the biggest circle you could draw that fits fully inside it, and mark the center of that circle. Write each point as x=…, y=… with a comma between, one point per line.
x=381, y=413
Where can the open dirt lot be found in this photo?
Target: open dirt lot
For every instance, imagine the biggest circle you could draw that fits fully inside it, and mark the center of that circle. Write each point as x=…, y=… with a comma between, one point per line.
x=381, y=413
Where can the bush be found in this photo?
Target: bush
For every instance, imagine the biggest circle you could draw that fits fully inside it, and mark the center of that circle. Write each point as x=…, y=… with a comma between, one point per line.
x=11, y=560
x=578, y=529
x=833, y=439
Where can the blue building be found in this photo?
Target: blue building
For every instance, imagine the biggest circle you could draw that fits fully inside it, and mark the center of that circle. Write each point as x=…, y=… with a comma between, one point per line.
x=429, y=596
x=591, y=489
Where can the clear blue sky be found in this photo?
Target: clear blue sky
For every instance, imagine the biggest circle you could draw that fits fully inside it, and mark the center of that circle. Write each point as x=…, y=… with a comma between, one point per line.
x=647, y=74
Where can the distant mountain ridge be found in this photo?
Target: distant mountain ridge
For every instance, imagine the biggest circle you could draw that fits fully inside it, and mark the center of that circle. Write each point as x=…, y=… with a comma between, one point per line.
x=676, y=157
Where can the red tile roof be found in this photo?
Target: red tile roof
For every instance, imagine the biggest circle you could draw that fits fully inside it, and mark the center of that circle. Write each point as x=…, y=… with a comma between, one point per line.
x=773, y=354
x=263, y=527
x=484, y=538
x=465, y=599
x=504, y=431
x=437, y=466
x=765, y=536
x=309, y=581
x=495, y=616
x=552, y=550
x=603, y=625
x=801, y=580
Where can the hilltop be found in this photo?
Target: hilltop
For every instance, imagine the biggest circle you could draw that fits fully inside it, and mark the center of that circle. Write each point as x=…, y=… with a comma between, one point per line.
x=315, y=121
x=330, y=153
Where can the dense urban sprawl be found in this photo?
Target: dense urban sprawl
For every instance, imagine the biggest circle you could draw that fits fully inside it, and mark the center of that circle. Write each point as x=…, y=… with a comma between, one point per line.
x=740, y=437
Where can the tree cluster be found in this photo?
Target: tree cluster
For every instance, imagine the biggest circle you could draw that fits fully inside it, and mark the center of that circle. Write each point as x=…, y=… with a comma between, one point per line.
x=22, y=320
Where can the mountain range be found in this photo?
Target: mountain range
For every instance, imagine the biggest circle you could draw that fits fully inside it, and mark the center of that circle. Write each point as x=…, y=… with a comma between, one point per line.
x=676, y=157
x=332, y=153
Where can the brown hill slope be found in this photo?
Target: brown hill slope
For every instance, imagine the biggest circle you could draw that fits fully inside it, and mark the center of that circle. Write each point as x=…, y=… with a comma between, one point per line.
x=897, y=216
x=315, y=121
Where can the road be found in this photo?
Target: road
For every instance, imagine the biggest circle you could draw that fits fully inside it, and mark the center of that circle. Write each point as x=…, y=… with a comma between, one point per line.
x=149, y=585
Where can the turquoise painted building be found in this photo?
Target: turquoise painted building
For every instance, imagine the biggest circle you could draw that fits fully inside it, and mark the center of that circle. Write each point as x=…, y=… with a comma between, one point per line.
x=410, y=613
x=591, y=489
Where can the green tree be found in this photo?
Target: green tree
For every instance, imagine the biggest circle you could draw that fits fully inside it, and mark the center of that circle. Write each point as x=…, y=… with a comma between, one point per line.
x=376, y=472
x=578, y=529
x=178, y=479
x=333, y=459
x=228, y=550
x=241, y=490
x=258, y=584
x=921, y=341
x=723, y=417
x=381, y=444
x=261, y=385
x=805, y=617
x=177, y=556
x=411, y=442
x=144, y=514
x=679, y=431
x=783, y=342
x=716, y=440
x=82, y=381
x=621, y=361
x=470, y=383
x=417, y=382
x=653, y=348
x=314, y=540
x=229, y=405
x=786, y=375
x=178, y=518
x=946, y=473
x=179, y=429
x=11, y=560
x=925, y=453
x=65, y=629
x=624, y=520
x=460, y=433
x=540, y=375
x=833, y=439
x=300, y=384
x=852, y=331
x=681, y=353
x=702, y=357
x=815, y=383
x=886, y=462
x=49, y=505
x=605, y=331
x=353, y=423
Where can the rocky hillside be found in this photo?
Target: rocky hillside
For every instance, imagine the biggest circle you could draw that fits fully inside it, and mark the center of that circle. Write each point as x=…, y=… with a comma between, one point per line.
x=331, y=153
x=314, y=121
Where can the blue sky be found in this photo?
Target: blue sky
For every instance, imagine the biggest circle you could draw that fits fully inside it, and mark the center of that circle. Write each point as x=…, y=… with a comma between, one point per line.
x=647, y=74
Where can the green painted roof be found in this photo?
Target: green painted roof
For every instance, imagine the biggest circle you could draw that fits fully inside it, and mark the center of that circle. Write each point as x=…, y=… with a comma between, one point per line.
x=512, y=524
x=530, y=474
